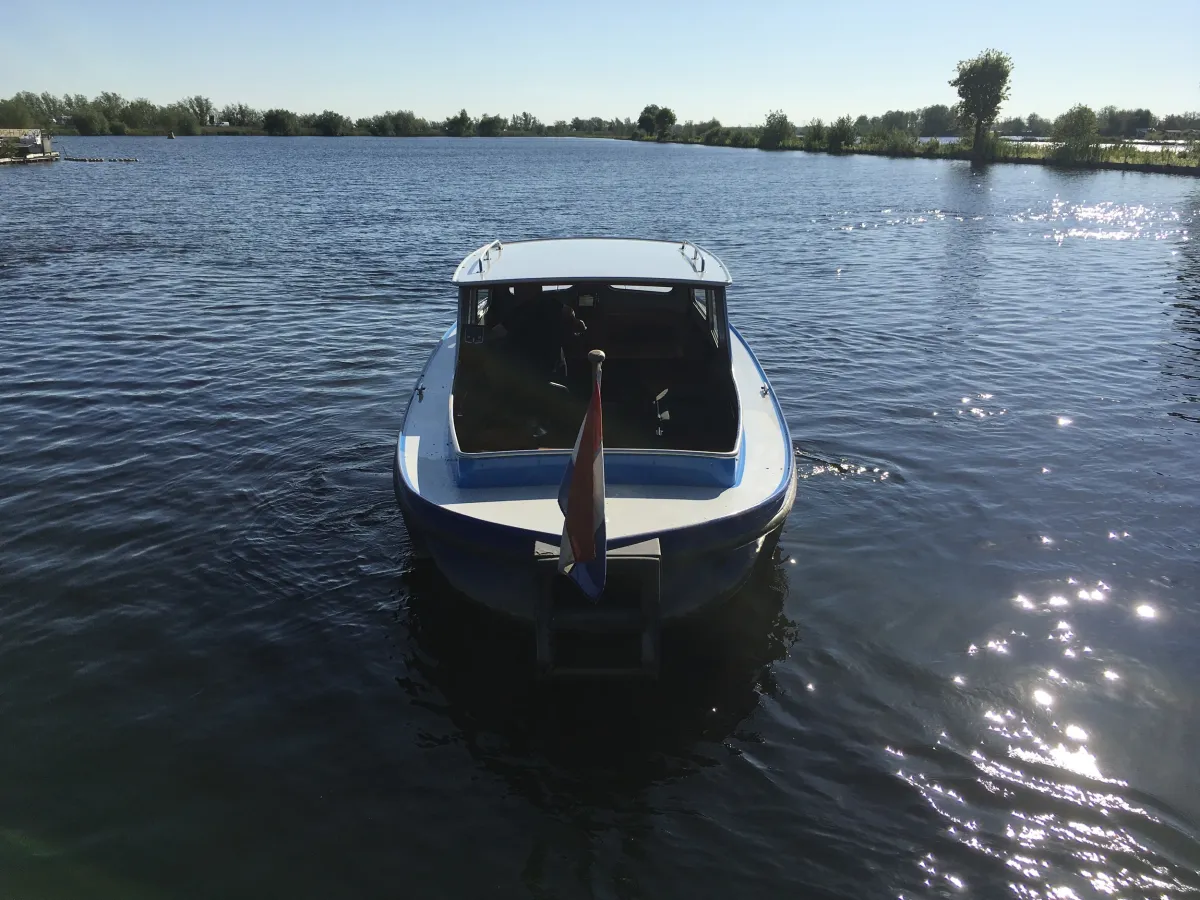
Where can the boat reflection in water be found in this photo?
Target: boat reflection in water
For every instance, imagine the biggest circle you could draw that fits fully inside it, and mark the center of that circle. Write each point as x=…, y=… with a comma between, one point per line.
x=621, y=735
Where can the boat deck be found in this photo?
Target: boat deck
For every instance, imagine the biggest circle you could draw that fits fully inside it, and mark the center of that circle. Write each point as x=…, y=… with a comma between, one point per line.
x=632, y=511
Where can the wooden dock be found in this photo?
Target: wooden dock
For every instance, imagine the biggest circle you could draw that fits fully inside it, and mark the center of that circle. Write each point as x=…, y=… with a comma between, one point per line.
x=52, y=156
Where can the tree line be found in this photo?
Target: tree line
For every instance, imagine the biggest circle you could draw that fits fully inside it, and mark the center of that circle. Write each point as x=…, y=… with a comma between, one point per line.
x=110, y=113
x=982, y=85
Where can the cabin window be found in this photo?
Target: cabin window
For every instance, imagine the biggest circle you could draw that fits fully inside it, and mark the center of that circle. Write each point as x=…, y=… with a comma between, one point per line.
x=714, y=316
x=705, y=302
x=478, y=303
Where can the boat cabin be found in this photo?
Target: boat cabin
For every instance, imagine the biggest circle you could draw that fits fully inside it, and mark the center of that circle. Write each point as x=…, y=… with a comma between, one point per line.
x=530, y=311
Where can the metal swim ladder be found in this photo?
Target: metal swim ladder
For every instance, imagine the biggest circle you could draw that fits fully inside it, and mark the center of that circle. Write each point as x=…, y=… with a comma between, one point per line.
x=618, y=635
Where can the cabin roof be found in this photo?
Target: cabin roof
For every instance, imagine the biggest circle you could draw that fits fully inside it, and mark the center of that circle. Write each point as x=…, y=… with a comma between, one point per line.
x=567, y=260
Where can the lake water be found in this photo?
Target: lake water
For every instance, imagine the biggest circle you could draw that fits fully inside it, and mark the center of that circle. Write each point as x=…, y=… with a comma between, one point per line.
x=973, y=670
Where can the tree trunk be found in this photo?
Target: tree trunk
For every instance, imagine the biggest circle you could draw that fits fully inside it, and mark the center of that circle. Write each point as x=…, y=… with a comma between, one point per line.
x=977, y=145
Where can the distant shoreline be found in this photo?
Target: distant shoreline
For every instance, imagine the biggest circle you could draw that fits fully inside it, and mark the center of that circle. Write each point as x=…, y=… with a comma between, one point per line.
x=944, y=151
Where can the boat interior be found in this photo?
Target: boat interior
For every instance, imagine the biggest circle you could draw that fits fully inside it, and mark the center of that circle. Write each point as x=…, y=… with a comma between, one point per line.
x=667, y=380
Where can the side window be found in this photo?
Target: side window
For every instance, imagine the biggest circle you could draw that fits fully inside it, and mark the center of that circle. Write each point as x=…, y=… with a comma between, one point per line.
x=714, y=316
x=700, y=301
x=473, y=309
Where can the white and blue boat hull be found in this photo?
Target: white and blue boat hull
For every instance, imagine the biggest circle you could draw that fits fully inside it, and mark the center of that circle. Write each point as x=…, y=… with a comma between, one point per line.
x=482, y=537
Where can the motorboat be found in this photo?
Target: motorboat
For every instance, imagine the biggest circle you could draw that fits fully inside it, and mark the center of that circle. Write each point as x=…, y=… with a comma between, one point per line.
x=696, y=471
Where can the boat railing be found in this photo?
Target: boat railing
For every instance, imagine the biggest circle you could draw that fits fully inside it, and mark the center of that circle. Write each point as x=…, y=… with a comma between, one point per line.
x=485, y=255
x=696, y=259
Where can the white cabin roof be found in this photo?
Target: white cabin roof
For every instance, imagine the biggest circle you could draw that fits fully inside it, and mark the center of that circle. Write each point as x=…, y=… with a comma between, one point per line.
x=616, y=260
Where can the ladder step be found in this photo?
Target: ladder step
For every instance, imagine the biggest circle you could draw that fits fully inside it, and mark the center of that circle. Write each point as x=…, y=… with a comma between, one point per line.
x=606, y=640
x=598, y=620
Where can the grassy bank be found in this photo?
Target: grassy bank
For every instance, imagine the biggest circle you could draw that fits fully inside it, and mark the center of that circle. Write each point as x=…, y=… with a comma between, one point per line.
x=1121, y=157
x=1124, y=156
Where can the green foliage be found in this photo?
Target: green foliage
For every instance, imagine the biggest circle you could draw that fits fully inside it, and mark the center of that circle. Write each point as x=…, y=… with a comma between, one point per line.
x=526, y=123
x=931, y=147
x=331, y=124
x=8, y=146
x=982, y=85
x=778, y=132
x=1189, y=121
x=815, y=135
x=111, y=106
x=201, y=109
x=117, y=127
x=897, y=141
x=1037, y=126
x=241, y=115
x=89, y=120
x=593, y=125
x=490, y=126
x=1113, y=122
x=646, y=120
x=15, y=113
x=281, y=122
x=936, y=121
x=742, y=137
x=140, y=114
x=1014, y=125
x=664, y=121
x=1078, y=135
x=841, y=135
x=405, y=123
x=180, y=118
x=460, y=125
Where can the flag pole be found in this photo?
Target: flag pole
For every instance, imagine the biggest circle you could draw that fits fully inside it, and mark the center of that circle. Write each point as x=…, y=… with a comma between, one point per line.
x=596, y=358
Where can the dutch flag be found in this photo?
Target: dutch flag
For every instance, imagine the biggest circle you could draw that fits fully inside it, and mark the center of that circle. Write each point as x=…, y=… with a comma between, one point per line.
x=581, y=556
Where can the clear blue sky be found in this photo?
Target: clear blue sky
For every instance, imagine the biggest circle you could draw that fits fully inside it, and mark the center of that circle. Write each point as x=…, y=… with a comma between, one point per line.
x=732, y=60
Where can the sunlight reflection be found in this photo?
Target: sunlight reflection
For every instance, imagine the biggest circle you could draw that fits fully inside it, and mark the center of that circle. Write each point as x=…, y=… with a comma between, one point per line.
x=1063, y=420
x=1146, y=611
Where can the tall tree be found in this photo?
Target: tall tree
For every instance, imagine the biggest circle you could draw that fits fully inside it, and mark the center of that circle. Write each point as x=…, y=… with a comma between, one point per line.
x=645, y=121
x=778, y=131
x=982, y=85
x=405, y=123
x=490, y=126
x=840, y=134
x=200, y=107
x=281, y=122
x=1077, y=133
x=331, y=124
x=460, y=125
x=664, y=121
x=814, y=135
x=241, y=115
x=111, y=105
x=139, y=113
